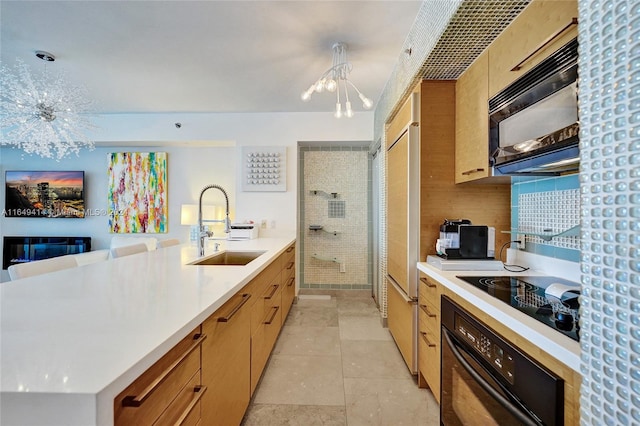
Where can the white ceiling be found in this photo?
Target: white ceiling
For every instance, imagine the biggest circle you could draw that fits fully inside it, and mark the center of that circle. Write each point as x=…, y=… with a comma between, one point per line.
x=207, y=56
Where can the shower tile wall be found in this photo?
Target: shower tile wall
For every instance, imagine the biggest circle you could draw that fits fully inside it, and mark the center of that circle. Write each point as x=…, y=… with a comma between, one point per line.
x=338, y=256
x=542, y=204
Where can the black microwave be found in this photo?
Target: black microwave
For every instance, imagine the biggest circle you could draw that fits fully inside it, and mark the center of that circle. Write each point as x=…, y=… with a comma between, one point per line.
x=533, y=123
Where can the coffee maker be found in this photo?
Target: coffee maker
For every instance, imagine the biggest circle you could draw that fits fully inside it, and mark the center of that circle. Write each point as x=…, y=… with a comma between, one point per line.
x=459, y=239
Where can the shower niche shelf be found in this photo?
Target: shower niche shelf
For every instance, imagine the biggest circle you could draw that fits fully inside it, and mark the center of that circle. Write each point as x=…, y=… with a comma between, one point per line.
x=317, y=228
x=324, y=194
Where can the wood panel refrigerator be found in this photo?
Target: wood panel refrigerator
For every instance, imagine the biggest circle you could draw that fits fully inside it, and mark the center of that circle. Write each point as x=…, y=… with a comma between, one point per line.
x=403, y=229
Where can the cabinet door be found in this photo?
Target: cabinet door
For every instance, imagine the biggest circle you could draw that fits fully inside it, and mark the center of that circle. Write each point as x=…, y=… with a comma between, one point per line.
x=288, y=280
x=402, y=321
x=397, y=210
x=472, y=122
x=267, y=321
x=429, y=333
x=226, y=363
x=540, y=29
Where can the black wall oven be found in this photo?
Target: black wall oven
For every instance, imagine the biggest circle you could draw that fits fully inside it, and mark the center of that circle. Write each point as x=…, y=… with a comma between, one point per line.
x=487, y=381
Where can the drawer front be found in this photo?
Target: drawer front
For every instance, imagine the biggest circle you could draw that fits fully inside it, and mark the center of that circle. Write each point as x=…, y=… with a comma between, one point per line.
x=185, y=409
x=429, y=318
x=429, y=362
x=429, y=333
x=400, y=318
x=288, y=270
x=258, y=355
x=288, y=294
x=229, y=321
x=273, y=315
x=429, y=291
x=264, y=338
x=288, y=258
x=225, y=362
x=148, y=397
x=261, y=304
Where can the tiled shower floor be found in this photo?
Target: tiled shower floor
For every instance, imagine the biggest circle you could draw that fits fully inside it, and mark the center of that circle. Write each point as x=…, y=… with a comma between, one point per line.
x=334, y=364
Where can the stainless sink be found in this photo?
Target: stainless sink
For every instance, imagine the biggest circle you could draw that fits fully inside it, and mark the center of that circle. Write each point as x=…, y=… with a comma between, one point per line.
x=229, y=257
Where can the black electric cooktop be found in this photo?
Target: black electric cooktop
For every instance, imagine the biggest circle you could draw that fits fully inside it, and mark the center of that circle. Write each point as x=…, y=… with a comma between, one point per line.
x=527, y=294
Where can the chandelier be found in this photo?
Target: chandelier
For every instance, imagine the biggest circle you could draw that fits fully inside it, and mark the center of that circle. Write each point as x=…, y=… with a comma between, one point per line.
x=43, y=115
x=333, y=78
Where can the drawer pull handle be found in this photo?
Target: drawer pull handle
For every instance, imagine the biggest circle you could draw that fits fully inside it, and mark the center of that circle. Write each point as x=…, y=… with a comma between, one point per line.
x=425, y=308
x=273, y=315
x=518, y=67
x=198, y=392
x=290, y=265
x=426, y=340
x=291, y=281
x=472, y=171
x=290, y=249
x=136, y=401
x=428, y=283
x=273, y=291
x=245, y=298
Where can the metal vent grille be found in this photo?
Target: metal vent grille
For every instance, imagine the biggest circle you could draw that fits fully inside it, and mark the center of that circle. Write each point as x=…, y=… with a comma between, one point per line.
x=337, y=209
x=564, y=58
x=445, y=39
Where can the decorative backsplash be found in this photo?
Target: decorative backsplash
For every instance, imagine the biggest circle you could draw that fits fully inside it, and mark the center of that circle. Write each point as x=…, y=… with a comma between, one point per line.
x=547, y=206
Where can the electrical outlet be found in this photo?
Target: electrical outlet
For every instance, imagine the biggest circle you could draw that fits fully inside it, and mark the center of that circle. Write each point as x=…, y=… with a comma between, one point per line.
x=273, y=224
x=343, y=267
x=263, y=224
x=521, y=239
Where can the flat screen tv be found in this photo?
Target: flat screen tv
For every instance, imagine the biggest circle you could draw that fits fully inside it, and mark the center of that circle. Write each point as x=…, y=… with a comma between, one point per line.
x=53, y=194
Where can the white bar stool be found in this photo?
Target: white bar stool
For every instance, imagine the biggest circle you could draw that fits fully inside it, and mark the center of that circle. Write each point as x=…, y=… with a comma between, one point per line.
x=38, y=267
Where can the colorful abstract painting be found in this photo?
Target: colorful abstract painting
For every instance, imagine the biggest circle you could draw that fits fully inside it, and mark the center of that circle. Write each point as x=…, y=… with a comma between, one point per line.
x=138, y=192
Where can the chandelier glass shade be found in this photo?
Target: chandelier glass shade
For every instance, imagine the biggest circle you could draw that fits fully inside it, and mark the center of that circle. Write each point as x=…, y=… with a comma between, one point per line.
x=43, y=115
x=336, y=79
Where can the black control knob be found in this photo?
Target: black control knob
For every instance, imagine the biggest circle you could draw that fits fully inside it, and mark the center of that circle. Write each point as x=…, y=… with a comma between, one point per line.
x=564, y=321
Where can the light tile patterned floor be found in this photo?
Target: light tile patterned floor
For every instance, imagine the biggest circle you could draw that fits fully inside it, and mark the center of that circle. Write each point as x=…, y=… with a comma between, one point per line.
x=334, y=364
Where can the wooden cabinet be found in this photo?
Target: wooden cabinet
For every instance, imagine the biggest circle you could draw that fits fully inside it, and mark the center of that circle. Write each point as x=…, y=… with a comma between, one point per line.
x=170, y=389
x=288, y=279
x=472, y=128
x=541, y=28
x=429, y=334
x=266, y=321
x=226, y=356
x=209, y=377
x=438, y=197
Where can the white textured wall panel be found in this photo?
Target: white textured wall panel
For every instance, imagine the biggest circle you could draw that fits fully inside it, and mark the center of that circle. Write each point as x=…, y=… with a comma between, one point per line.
x=609, y=67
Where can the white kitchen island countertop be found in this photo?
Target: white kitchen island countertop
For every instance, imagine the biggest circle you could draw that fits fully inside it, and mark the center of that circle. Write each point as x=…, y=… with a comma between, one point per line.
x=556, y=344
x=71, y=340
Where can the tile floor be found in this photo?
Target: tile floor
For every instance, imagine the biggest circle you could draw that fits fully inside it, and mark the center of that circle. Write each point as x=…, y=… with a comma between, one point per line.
x=334, y=364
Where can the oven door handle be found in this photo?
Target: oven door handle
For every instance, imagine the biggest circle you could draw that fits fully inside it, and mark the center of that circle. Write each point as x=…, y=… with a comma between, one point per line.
x=513, y=409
